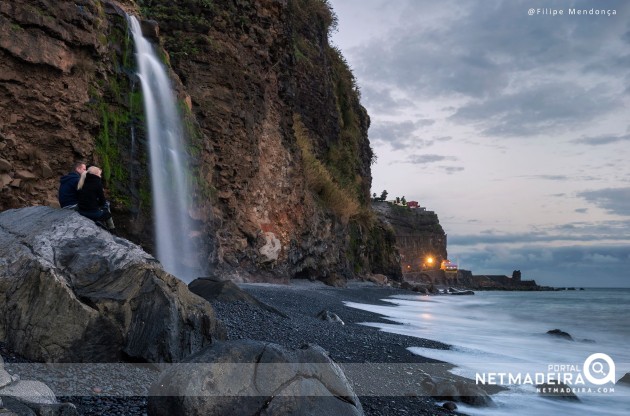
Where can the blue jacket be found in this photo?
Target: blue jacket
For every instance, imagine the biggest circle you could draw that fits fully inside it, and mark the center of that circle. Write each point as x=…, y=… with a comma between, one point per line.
x=68, y=189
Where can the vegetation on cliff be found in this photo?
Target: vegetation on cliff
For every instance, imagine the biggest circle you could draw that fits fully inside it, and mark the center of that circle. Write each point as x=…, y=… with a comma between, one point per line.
x=344, y=146
x=320, y=181
x=338, y=156
x=119, y=106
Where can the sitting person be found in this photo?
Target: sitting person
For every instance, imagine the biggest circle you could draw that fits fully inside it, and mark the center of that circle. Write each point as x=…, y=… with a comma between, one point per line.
x=68, y=186
x=91, y=197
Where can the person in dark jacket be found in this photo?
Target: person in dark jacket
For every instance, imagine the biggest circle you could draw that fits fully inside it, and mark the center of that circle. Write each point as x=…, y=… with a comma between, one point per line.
x=68, y=186
x=91, y=197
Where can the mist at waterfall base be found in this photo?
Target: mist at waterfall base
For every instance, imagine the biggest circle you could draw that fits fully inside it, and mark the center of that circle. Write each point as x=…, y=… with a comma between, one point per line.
x=493, y=332
x=168, y=162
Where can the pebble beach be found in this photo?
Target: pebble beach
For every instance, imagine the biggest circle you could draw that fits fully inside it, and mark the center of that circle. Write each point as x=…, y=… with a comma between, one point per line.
x=378, y=364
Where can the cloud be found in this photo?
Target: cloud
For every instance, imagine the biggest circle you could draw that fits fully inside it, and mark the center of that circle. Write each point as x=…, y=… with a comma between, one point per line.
x=484, y=71
x=542, y=108
x=584, y=232
x=606, y=229
x=382, y=101
x=553, y=177
x=400, y=135
x=470, y=48
x=614, y=200
x=452, y=169
x=601, y=140
x=510, y=74
x=443, y=138
x=425, y=159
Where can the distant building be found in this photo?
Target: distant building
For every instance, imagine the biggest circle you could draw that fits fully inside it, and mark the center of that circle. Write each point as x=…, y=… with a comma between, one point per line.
x=448, y=266
x=516, y=276
x=415, y=205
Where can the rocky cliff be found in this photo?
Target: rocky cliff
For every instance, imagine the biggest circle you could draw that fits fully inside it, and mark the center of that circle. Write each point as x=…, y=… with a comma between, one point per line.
x=418, y=237
x=278, y=138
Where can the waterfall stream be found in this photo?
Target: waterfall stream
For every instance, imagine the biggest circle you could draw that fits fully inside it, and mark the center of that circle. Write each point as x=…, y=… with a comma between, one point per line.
x=168, y=160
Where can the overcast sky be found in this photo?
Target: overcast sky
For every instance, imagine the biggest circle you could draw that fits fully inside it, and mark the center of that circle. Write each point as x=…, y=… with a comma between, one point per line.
x=514, y=128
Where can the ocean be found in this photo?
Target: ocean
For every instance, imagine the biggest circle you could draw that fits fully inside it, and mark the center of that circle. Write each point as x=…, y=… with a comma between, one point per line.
x=501, y=337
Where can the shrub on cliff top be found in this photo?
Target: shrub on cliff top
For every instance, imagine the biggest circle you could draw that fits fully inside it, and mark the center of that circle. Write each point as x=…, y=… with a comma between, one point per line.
x=307, y=11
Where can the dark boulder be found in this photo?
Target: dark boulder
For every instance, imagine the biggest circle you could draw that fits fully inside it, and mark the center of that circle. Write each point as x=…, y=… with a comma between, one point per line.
x=460, y=292
x=254, y=378
x=450, y=406
x=456, y=390
x=416, y=287
x=326, y=315
x=463, y=292
x=211, y=289
x=150, y=29
x=625, y=379
x=72, y=292
x=560, y=334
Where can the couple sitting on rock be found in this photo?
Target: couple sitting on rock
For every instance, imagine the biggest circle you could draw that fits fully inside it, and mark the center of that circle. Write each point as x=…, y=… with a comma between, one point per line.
x=82, y=190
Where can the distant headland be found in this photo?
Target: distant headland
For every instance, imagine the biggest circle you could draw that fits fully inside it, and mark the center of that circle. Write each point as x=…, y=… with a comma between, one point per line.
x=422, y=249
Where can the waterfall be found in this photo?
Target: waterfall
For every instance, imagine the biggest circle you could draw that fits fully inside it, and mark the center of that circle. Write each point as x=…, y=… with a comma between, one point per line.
x=168, y=161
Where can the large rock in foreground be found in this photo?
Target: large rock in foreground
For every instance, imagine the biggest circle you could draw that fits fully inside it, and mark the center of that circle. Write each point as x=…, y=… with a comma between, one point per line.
x=254, y=378
x=72, y=292
x=211, y=289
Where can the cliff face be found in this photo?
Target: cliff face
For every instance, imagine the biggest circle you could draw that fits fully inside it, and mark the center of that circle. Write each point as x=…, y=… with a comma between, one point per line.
x=278, y=138
x=418, y=236
x=267, y=93
x=49, y=53
x=65, y=96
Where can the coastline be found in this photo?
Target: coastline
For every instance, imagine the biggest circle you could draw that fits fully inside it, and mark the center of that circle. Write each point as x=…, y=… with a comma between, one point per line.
x=377, y=363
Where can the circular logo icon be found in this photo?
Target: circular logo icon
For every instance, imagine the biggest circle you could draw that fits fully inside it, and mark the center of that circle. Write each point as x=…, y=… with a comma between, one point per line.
x=599, y=369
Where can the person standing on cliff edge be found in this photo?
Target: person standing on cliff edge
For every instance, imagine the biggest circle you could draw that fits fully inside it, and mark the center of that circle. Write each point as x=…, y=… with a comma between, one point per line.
x=68, y=186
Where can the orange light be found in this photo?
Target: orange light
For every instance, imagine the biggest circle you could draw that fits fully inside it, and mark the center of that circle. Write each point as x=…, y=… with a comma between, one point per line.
x=430, y=260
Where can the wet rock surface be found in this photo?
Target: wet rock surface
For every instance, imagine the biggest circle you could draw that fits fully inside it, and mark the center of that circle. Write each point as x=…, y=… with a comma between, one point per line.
x=214, y=289
x=560, y=334
x=72, y=292
x=245, y=377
